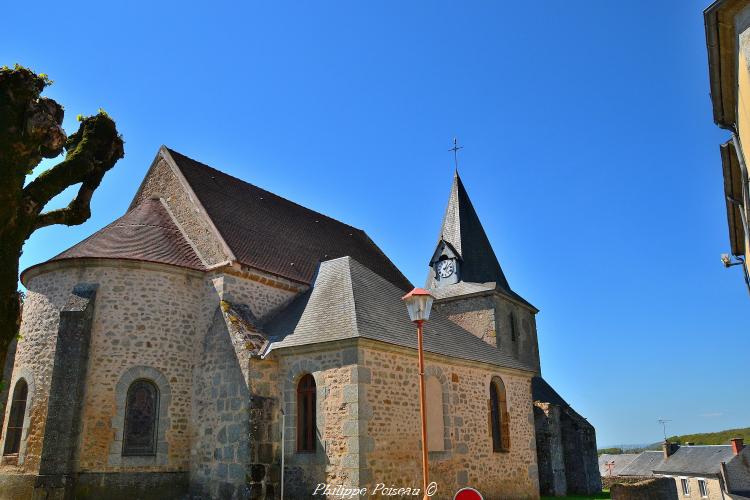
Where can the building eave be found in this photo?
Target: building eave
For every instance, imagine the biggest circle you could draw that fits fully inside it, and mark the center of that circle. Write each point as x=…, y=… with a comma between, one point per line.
x=733, y=196
x=721, y=43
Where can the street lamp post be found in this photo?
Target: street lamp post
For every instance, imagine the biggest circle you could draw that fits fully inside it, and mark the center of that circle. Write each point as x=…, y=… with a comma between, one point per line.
x=419, y=304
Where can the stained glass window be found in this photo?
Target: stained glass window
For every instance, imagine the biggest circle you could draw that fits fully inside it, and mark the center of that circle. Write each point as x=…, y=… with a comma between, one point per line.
x=306, y=414
x=141, y=412
x=14, y=429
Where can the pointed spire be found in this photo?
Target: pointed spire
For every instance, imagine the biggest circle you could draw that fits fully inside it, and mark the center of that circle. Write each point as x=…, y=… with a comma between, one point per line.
x=464, y=232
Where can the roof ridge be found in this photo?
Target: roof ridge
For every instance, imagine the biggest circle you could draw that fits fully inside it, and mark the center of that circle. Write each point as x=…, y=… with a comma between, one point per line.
x=350, y=290
x=270, y=193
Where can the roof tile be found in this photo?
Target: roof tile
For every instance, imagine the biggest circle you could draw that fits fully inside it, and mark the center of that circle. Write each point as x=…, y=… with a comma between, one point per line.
x=146, y=233
x=275, y=235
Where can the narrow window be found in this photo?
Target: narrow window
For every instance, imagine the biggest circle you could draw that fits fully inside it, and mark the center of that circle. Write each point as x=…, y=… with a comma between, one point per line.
x=685, y=487
x=15, y=420
x=499, y=417
x=141, y=411
x=306, y=414
x=435, y=424
x=703, y=487
x=512, y=322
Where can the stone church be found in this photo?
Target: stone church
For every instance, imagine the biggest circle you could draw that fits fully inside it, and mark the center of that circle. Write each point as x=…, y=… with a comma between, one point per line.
x=219, y=341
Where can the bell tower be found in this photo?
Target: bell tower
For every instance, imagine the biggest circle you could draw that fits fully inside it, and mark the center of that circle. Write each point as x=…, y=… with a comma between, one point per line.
x=470, y=287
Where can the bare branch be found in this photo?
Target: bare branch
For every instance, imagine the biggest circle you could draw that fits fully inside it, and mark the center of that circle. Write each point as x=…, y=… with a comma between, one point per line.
x=91, y=152
x=77, y=212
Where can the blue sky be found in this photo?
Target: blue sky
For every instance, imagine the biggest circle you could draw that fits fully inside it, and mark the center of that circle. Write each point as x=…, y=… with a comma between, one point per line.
x=590, y=155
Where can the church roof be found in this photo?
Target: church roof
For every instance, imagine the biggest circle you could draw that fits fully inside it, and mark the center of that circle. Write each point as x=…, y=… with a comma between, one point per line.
x=543, y=392
x=463, y=289
x=273, y=234
x=146, y=233
x=464, y=232
x=348, y=300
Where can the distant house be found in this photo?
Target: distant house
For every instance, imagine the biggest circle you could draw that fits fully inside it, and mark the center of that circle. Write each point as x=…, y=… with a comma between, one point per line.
x=643, y=465
x=714, y=472
x=613, y=465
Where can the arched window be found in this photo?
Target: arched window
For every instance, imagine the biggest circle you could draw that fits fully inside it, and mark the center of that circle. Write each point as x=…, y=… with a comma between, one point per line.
x=306, y=414
x=499, y=417
x=435, y=424
x=14, y=430
x=141, y=411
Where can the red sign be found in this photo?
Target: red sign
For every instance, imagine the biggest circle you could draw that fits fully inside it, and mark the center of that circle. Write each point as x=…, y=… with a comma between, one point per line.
x=468, y=494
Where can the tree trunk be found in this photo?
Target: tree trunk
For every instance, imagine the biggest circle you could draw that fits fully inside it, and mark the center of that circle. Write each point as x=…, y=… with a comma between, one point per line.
x=10, y=312
x=10, y=309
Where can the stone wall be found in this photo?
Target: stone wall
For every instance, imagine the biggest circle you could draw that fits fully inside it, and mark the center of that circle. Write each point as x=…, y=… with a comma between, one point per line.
x=336, y=457
x=476, y=315
x=220, y=416
x=263, y=479
x=161, y=181
x=526, y=345
x=608, y=481
x=35, y=352
x=660, y=488
x=263, y=293
x=236, y=396
x=489, y=317
x=10, y=358
x=578, y=436
x=549, y=449
x=145, y=315
x=390, y=431
x=65, y=402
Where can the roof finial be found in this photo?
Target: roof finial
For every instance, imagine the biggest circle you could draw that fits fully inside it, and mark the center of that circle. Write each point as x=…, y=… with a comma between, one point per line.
x=455, y=149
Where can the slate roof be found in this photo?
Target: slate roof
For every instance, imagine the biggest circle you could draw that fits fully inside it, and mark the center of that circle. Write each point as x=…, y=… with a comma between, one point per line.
x=621, y=461
x=348, y=300
x=462, y=229
x=145, y=233
x=543, y=392
x=462, y=289
x=704, y=459
x=270, y=233
x=644, y=464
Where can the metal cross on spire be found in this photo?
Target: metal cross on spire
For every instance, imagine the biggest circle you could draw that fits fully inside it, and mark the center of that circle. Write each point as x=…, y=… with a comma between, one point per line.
x=455, y=149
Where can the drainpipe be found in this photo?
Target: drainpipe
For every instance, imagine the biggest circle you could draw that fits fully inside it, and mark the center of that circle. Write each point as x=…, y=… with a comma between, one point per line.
x=745, y=180
x=723, y=484
x=283, y=446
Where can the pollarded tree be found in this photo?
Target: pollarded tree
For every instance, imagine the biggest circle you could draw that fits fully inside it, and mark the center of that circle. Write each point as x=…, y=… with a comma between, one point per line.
x=31, y=130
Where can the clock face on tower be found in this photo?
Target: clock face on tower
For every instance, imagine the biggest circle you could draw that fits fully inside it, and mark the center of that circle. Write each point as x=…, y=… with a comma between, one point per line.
x=445, y=268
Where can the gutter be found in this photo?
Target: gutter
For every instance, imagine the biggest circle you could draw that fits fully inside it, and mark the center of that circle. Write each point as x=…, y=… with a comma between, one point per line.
x=711, y=23
x=745, y=181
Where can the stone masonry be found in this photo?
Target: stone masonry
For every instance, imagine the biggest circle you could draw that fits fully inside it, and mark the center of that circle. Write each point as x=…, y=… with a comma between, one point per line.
x=391, y=439
x=66, y=394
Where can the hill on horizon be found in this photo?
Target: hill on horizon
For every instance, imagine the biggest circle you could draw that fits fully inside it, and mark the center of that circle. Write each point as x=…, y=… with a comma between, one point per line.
x=720, y=437
x=704, y=438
